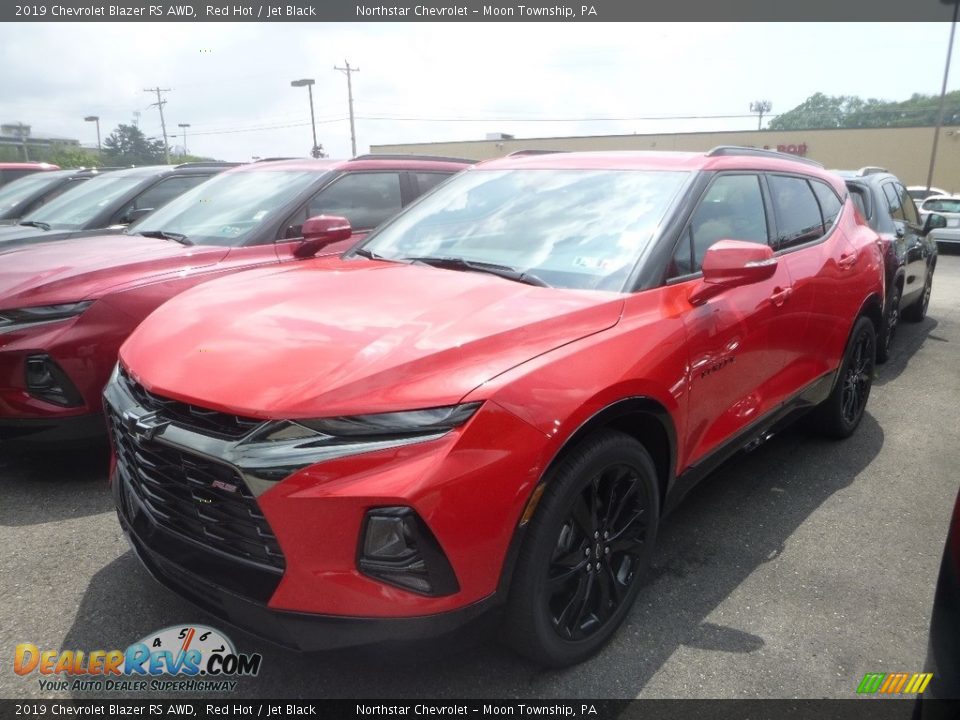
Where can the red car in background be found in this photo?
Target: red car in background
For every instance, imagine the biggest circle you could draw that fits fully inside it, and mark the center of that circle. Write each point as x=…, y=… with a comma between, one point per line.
x=493, y=400
x=10, y=171
x=65, y=307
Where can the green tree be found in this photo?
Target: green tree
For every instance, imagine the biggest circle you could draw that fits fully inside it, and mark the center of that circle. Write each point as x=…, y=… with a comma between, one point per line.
x=127, y=145
x=850, y=111
x=68, y=156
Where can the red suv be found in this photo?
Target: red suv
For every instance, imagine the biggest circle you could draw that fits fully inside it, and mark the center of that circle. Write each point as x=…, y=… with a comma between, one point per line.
x=494, y=399
x=66, y=307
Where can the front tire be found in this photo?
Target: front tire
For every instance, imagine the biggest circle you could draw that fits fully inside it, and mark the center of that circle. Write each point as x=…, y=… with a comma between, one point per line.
x=918, y=310
x=890, y=322
x=586, y=550
x=840, y=414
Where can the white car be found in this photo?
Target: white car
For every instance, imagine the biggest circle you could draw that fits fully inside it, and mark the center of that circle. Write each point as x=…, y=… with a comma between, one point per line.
x=919, y=193
x=949, y=207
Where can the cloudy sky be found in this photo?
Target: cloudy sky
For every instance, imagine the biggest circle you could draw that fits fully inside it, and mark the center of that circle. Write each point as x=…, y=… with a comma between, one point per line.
x=437, y=81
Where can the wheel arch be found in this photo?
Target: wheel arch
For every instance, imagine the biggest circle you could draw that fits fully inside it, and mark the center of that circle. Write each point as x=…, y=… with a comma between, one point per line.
x=643, y=418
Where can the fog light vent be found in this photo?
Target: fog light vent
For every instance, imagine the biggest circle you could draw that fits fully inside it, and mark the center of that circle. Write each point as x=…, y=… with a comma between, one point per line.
x=397, y=547
x=47, y=381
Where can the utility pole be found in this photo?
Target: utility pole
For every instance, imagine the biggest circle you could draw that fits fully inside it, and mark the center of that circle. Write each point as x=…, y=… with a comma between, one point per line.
x=760, y=107
x=184, y=127
x=348, y=71
x=163, y=125
x=943, y=91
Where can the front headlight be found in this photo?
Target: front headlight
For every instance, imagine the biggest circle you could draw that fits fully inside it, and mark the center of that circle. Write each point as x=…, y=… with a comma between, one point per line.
x=24, y=317
x=411, y=422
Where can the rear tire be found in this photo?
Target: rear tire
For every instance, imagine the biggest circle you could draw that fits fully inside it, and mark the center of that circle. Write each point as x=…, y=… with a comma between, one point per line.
x=840, y=414
x=890, y=321
x=586, y=550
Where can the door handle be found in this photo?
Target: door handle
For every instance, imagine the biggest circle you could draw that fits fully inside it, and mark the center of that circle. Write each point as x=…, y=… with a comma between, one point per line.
x=847, y=261
x=780, y=296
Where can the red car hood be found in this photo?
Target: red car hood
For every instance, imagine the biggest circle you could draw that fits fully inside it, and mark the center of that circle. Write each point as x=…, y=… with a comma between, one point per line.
x=85, y=268
x=332, y=337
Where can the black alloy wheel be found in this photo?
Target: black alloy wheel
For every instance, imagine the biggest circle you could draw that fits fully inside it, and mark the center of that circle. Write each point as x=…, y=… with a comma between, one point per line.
x=585, y=551
x=918, y=310
x=889, y=327
x=840, y=414
x=597, y=552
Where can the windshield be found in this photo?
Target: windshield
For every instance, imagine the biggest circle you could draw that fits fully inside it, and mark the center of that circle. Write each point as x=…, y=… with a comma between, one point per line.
x=227, y=209
x=942, y=205
x=579, y=229
x=16, y=192
x=80, y=205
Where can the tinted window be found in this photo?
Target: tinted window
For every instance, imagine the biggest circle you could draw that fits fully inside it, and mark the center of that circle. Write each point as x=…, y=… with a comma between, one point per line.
x=798, y=212
x=428, y=181
x=161, y=193
x=81, y=205
x=830, y=205
x=16, y=193
x=906, y=202
x=893, y=201
x=732, y=209
x=365, y=199
x=861, y=199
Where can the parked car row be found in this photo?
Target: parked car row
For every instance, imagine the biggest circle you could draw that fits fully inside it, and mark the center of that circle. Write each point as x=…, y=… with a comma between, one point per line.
x=487, y=404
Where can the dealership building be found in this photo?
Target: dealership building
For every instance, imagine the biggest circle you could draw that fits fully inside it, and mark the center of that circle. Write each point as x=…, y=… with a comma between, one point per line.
x=903, y=151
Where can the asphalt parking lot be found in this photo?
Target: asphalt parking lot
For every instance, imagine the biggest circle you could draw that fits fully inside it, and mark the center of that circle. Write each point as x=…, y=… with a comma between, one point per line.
x=790, y=572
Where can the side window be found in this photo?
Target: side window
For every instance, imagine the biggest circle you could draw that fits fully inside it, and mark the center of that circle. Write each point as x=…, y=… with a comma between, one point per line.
x=893, y=202
x=365, y=199
x=731, y=209
x=797, y=209
x=429, y=180
x=830, y=205
x=160, y=194
x=906, y=202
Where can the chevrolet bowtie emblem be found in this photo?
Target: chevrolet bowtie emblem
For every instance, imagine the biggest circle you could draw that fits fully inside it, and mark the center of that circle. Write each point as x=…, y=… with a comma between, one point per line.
x=144, y=427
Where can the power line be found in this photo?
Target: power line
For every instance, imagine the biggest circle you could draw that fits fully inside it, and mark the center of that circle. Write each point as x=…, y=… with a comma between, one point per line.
x=163, y=125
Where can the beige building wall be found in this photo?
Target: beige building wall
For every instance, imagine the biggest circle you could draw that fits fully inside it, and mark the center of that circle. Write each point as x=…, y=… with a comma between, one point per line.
x=903, y=151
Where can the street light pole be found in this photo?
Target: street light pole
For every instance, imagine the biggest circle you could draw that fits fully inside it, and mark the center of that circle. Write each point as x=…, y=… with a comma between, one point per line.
x=308, y=82
x=96, y=119
x=943, y=91
x=184, y=126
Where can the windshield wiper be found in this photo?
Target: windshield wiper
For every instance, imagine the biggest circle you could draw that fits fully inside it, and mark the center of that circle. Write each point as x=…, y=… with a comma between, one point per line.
x=165, y=235
x=504, y=271
x=369, y=254
x=36, y=224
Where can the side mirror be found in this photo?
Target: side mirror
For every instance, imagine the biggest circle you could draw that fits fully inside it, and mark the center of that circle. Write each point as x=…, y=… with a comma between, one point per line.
x=134, y=215
x=934, y=222
x=731, y=263
x=321, y=231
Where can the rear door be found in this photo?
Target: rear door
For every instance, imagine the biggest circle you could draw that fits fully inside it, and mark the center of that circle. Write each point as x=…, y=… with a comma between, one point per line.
x=736, y=337
x=812, y=248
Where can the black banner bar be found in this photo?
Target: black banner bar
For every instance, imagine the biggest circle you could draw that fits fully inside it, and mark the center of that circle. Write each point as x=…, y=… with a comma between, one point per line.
x=854, y=709
x=475, y=11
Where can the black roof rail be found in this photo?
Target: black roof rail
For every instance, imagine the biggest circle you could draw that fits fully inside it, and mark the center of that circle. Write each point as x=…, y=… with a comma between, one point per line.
x=277, y=159
x=521, y=153
x=734, y=150
x=403, y=156
x=206, y=163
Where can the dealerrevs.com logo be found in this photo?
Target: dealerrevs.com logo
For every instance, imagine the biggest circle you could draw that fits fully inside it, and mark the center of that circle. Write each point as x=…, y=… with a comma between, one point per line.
x=180, y=658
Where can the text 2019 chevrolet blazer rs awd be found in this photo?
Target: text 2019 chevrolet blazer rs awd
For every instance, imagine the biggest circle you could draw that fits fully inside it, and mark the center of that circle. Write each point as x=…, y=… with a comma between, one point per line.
x=491, y=402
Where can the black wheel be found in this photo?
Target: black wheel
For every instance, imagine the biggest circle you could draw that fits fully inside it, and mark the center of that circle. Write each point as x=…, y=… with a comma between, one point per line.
x=839, y=415
x=918, y=310
x=586, y=550
x=889, y=326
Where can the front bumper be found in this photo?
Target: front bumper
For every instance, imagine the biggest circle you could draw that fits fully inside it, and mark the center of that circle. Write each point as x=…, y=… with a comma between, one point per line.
x=53, y=429
x=305, y=632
